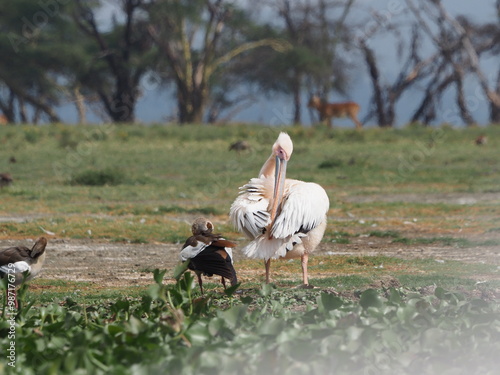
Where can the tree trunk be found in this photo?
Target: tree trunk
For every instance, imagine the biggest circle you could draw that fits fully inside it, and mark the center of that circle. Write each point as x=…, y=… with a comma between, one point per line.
x=297, y=102
x=122, y=109
x=461, y=103
x=378, y=97
x=22, y=111
x=191, y=104
x=495, y=109
x=80, y=105
x=8, y=109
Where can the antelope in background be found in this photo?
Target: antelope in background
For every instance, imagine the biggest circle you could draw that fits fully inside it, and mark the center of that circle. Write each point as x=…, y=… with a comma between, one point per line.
x=329, y=110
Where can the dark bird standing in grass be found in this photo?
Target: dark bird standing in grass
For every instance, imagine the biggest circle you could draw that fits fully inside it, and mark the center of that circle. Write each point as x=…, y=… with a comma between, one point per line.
x=208, y=253
x=239, y=146
x=17, y=260
x=5, y=179
x=481, y=140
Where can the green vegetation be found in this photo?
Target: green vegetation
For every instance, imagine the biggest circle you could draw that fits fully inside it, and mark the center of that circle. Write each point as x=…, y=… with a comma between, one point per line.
x=367, y=314
x=265, y=330
x=163, y=171
x=101, y=177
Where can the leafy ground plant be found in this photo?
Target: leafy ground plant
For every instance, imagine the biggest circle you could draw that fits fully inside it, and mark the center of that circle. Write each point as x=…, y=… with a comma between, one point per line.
x=172, y=330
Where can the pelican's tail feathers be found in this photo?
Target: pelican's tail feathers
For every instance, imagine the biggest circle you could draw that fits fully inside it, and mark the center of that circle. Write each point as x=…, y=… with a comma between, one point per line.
x=294, y=240
x=265, y=248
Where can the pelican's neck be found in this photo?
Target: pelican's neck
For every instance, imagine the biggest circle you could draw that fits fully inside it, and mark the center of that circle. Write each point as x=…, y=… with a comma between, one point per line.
x=269, y=167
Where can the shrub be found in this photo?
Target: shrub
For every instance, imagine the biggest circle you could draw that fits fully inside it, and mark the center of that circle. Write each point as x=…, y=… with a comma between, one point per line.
x=99, y=177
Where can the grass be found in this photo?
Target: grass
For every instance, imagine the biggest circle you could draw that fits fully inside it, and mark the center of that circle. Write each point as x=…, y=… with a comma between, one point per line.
x=152, y=171
x=410, y=187
x=170, y=328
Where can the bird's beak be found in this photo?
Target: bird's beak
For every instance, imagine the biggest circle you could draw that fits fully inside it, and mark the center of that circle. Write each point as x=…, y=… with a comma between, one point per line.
x=279, y=186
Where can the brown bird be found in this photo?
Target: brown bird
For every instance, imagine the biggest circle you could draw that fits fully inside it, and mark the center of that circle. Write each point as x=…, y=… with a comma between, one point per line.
x=5, y=179
x=239, y=146
x=481, y=140
x=14, y=261
x=208, y=253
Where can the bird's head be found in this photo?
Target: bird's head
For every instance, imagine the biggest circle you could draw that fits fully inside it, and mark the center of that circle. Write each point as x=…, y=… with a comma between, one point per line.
x=202, y=226
x=283, y=147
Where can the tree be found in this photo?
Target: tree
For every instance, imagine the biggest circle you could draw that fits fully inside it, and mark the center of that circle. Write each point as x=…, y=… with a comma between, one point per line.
x=317, y=31
x=31, y=65
x=198, y=40
x=386, y=95
x=120, y=56
x=459, y=44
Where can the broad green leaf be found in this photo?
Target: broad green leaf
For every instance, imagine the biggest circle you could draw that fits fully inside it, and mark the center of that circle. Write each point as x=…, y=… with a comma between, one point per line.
x=198, y=333
x=230, y=291
x=234, y=315
x=158, y=275
x=370, y=298
x=329, y=302
x=179, y=270
x=271, y=326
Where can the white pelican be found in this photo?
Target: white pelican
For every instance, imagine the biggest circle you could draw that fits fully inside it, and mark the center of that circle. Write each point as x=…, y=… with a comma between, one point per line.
x=209, y=253
x=14, y=261
x=284, y=218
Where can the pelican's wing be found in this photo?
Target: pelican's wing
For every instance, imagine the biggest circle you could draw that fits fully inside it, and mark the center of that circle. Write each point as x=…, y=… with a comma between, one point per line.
x=304, y=207
x=248, y=212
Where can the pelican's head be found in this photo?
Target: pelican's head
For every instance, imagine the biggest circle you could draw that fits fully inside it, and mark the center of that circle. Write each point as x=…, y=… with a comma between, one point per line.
x=283, y=147
x=202, y=226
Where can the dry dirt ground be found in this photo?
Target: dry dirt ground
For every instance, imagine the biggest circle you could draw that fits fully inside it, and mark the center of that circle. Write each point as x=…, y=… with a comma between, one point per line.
x=119, y=264
x=111, y=264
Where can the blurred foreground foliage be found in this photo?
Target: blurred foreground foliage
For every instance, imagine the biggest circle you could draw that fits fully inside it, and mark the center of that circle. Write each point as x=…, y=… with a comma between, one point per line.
x=171, y=329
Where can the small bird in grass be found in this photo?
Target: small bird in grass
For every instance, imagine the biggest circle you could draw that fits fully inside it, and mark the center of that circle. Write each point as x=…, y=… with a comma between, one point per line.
x=239, y=146
x=208, y=253
x=5, y=179
x=17, y=260
x=481, y=140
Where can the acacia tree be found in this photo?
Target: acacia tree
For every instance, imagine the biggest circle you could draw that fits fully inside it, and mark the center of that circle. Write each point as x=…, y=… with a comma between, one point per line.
x=197, y=40
x=386, y=95
x=459, y=46
x=316, y=30
x=29, y=90
x=120, y=56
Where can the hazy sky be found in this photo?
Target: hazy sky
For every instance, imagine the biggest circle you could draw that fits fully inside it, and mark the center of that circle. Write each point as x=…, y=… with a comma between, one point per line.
x=157, y=105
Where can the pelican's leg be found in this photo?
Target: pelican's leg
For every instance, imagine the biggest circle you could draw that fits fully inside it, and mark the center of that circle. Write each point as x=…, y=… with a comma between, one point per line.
x=268, y=265
x=223, y=282
x=305, y=258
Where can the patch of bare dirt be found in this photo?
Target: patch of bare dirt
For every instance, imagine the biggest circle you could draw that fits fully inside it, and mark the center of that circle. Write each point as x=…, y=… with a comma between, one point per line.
x=109, y=264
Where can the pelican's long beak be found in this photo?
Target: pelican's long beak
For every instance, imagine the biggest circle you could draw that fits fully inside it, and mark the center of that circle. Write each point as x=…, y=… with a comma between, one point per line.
x=279, y=186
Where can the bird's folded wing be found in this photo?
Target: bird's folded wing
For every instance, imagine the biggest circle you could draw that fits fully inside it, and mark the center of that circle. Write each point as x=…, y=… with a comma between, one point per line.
x=212, y=262
x=302, y=210
x=17, y=267
x=249, y=212
x=14, y=254
x=222, y=242
x=192, y=249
